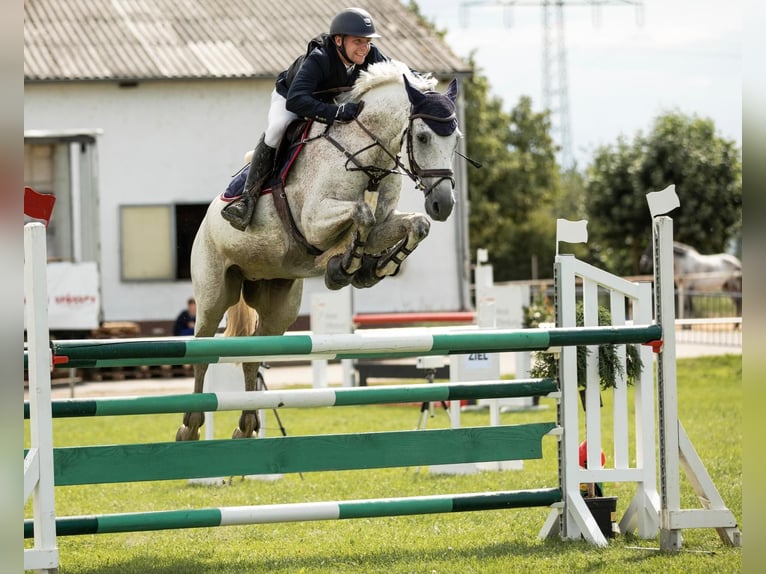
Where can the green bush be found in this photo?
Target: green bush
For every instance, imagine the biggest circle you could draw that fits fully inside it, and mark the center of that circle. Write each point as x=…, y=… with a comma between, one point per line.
x=610, y=369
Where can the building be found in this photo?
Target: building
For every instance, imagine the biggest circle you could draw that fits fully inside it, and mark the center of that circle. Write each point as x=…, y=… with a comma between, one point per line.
x=137, y=113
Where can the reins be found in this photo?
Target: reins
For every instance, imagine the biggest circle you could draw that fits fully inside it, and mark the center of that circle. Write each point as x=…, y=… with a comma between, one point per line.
x=376, y=174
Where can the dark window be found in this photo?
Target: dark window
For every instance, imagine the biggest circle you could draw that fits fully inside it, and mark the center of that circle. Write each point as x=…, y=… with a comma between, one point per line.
x=188, y=219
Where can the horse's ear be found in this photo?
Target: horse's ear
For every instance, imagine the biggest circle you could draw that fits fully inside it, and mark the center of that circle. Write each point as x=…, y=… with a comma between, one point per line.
x=451, y=92
x=415, y=95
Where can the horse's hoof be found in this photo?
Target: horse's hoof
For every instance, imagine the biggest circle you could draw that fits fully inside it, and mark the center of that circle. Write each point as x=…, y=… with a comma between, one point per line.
x=366, y=276
x=239, y=434
x=185, y=433
x=335, y=277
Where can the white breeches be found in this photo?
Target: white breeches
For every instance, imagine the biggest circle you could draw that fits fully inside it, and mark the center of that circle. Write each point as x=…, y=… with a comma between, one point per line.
x=279, y=119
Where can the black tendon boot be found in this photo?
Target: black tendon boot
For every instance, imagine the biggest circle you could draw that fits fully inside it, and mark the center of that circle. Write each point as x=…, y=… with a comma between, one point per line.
x=239, y=211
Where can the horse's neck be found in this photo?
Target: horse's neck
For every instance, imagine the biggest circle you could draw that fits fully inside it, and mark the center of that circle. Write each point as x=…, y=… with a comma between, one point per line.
x=388, y=111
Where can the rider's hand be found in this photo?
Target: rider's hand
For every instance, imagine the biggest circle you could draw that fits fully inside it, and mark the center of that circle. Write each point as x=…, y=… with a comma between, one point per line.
x=347, y=111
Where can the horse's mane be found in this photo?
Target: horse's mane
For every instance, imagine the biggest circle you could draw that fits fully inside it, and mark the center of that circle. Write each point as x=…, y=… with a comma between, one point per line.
x=384, y=73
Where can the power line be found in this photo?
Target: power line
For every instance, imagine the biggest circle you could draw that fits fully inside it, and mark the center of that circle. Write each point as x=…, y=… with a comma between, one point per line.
x=554, y=58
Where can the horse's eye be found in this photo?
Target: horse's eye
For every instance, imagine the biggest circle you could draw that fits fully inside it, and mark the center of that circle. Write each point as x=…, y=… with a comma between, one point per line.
x=423, y=138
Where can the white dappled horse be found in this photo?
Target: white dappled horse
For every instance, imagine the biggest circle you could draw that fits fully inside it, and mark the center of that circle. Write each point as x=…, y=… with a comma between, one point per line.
x=341, y=193
x=695, y=272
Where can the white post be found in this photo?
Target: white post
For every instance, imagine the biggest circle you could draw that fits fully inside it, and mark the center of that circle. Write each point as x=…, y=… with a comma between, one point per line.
x=38, y=464
x=331, y=315
x=667, y=393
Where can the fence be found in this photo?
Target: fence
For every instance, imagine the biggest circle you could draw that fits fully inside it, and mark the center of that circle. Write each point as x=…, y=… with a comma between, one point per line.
x=647, y=512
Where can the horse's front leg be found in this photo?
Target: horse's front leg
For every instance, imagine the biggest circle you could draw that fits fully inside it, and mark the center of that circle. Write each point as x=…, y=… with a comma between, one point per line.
x=396, y=238
x=341, y=267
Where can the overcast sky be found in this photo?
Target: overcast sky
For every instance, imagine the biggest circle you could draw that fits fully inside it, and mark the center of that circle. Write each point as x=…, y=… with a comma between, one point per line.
x=624, y=66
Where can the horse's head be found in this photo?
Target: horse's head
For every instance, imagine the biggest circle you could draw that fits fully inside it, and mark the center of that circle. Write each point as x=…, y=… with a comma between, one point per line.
x=432, y=137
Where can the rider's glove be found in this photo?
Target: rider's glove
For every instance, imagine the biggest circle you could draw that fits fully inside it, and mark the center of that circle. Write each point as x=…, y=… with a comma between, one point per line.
x=347, y=111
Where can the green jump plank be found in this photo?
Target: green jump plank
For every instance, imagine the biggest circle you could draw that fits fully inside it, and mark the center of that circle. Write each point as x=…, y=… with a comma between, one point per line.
x=211, y=458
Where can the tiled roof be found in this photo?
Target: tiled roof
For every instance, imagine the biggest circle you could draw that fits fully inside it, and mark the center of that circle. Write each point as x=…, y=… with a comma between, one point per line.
x=182, y=39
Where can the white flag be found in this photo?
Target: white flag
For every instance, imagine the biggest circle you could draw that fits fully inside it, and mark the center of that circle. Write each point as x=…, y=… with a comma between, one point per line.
x=662, y=202
x=572, y=231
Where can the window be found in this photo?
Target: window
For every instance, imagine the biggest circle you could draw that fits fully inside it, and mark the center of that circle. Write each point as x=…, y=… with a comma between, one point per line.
x=46, y=170
x=64, y=163
x=156, y=240
x=188, y=219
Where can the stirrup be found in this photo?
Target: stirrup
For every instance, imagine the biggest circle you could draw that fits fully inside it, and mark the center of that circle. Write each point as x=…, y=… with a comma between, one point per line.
x=239, y=212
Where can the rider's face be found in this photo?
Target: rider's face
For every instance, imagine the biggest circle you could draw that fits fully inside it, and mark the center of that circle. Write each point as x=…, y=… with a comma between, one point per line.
x=356, y=48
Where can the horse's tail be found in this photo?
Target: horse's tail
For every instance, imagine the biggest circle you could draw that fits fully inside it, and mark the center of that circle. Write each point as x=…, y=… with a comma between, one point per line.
x=241, y=320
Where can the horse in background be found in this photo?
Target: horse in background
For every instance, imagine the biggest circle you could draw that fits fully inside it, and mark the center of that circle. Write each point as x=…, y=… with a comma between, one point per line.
x=697, y=273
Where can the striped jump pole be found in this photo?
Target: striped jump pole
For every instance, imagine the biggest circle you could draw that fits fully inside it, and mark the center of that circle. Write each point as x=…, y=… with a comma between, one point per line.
x=273, y=513
x=131, y=352
x=298, y=398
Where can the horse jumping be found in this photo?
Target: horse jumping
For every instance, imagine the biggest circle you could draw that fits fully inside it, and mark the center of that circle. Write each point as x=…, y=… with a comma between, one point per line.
x=341, y=197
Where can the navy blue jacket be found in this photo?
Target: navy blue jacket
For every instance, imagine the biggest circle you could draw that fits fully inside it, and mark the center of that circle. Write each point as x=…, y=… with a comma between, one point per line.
x=319, y=69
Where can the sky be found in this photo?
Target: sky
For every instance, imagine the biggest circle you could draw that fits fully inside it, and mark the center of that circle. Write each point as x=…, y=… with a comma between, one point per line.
x=625, y=65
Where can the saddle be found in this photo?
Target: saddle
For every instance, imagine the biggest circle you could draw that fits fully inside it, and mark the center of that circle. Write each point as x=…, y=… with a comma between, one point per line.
x=290, y=146
x=287, y=151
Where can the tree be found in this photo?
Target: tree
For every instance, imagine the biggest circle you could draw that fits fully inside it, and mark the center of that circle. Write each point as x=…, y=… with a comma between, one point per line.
x=511, y=196
x=514, y=195
x=682, y=150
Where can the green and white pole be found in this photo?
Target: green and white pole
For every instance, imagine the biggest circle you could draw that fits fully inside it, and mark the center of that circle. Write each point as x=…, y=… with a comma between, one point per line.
x=298, y=398
x=267, y=514
x=132, y=352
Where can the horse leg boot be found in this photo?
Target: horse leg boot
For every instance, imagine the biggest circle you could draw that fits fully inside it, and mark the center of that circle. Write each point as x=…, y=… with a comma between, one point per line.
x=239, y=212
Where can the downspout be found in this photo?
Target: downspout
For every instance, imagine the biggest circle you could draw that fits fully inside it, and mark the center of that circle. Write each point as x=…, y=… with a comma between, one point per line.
x=463, y=254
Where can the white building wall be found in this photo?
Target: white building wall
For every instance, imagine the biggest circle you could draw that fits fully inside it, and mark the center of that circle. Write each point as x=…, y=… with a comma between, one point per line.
x=180, y=142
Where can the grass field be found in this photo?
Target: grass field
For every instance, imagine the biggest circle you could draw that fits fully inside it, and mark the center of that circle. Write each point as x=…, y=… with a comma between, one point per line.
x=499, y=541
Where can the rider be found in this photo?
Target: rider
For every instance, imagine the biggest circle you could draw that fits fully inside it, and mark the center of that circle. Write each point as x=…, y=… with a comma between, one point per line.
x=306, y=89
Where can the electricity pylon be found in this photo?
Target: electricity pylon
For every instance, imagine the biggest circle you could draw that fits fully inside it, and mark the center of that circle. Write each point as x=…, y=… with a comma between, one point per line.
x=554, y=58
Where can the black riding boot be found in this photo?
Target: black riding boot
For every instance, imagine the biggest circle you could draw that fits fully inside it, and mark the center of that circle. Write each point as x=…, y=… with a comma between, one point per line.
x=239, y=212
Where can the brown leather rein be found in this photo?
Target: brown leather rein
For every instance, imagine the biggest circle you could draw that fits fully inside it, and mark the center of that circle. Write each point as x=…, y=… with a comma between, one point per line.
x=375, y=174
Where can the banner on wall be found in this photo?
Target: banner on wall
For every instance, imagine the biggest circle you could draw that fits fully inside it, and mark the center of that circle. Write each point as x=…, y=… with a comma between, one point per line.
x=74, y=300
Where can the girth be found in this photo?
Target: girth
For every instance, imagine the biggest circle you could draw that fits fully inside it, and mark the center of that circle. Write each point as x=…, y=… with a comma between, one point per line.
x=283, y=209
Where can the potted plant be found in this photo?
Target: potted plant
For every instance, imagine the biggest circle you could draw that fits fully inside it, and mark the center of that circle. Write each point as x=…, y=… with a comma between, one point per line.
x=609, y=367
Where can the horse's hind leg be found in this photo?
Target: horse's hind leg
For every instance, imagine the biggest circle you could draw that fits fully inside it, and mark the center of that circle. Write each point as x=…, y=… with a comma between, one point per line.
x=277, y=302
x=213, y=298
x=249, y=424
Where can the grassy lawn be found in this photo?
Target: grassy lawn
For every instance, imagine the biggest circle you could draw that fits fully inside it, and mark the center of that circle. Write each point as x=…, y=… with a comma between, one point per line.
x=499, y=541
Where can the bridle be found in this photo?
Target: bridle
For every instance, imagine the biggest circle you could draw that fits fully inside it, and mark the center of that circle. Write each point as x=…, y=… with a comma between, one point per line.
x=376, y=174
x=443, y=173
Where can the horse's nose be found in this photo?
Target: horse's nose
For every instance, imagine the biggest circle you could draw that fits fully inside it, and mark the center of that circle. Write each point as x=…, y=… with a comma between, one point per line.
x=441, y=201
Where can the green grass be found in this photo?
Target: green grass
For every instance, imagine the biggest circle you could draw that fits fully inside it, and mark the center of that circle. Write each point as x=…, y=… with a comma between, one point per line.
x=500, y=541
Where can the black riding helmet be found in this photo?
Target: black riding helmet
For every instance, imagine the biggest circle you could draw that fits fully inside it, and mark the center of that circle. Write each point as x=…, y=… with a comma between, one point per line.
x=353, y=22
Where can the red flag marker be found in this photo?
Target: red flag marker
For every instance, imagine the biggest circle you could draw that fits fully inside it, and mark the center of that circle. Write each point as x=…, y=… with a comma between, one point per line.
x=38, y=205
